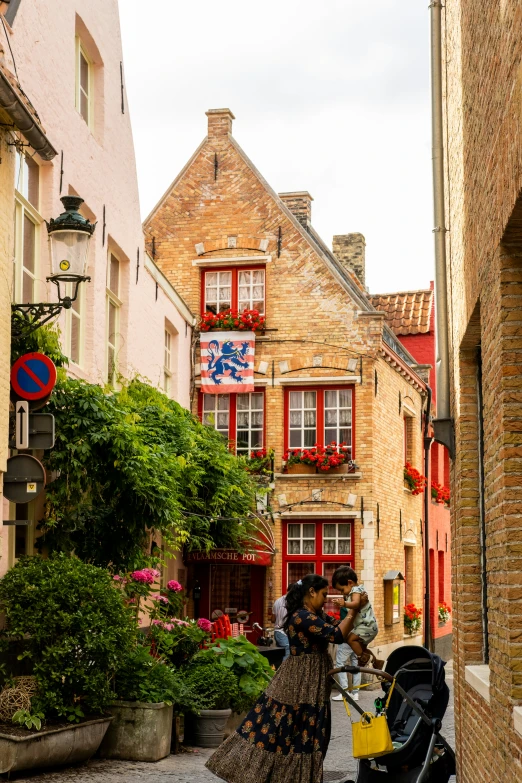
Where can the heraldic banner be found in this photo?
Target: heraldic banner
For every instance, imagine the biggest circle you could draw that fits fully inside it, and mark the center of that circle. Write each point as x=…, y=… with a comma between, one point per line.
x=227, y=362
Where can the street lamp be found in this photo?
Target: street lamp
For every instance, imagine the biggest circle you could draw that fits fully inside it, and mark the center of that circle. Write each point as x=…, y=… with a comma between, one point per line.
x=69, y=237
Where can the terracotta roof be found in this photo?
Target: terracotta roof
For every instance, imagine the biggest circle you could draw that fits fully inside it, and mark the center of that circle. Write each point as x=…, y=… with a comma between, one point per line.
x=407, y=312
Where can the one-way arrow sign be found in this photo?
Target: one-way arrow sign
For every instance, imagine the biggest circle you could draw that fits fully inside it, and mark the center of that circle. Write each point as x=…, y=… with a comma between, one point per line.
x=22, y=425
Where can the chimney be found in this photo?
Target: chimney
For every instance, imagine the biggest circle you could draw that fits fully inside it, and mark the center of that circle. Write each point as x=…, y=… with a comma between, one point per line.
x=300, y=205
x=349, y=250
x=219, y=122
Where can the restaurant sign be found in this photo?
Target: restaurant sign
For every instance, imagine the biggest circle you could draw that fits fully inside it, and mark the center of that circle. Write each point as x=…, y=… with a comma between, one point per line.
x=230, y=556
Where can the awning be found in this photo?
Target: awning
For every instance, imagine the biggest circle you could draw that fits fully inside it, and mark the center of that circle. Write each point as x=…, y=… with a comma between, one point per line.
x=390, y=576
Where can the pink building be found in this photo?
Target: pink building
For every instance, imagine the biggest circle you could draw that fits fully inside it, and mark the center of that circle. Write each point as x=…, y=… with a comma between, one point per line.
x=411, y=315
x=129, y=319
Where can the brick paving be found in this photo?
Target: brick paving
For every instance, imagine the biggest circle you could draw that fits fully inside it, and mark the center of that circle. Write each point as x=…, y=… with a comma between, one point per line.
x=189, y=767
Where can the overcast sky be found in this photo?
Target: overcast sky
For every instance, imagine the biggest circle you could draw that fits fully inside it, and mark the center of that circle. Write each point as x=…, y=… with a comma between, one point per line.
x=330, y=97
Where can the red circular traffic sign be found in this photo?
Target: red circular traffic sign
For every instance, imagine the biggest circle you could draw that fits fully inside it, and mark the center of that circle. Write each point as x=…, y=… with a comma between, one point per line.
x=33, y=376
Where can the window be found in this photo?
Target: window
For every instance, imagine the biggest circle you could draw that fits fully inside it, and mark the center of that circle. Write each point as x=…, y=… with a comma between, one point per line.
x=441, y=577
x=236, y=289
x=238, y=417
x=301, y=539
x=74, y=326
x=167, y=363
x=319, y=416
x=84, y=82
x=27, y=227
x=216, y=412
x=337, y=539
x=408, y=439
x=113, y=316
x=408, y=574
x=316, y=548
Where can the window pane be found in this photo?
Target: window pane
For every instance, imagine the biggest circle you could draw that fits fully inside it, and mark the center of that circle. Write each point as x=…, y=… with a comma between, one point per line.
x=343, y=531
x=294, y=531
x=84, y=73
x=208, y=402
x=330, y=399
x=114, y=277
x=257, y=401
x=112, y=322
x=242, y=421
x=32, y=181
x=330, y=417
x=330, y=436
x=309, y=418
x=84, y=106
x=309, y=400
x=29, y=243
x=110, y=363
x=242, y=440
x=345, y=398
x=295, y=418
x=244, y=278
x=345, y=436
x=329, y=531
x=299, y=570
x=257, y=419
x=308, y=547
x=209, y=419
x=309, y=531
x=294, y=548
x=225, y=278
x=223, y=402
x=210, y=279
x=309, y=438
x=344, y=547
x=222, y=421
x=296, y=399
x=329, y=547
x=256, y=439
x=242, y=402
x=345, y=416
x=27, y=288
x=295, y=439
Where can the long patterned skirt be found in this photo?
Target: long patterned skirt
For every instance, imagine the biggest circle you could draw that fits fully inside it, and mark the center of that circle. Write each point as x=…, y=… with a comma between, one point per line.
x=285, y=736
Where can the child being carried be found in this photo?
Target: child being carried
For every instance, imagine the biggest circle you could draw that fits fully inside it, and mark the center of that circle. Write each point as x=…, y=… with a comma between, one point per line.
x=365, y=627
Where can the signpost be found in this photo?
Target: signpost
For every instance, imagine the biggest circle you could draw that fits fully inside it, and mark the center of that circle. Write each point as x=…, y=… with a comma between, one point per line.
x=22, y=425
x=24, y=478
x=33, y=376
x=40, y=429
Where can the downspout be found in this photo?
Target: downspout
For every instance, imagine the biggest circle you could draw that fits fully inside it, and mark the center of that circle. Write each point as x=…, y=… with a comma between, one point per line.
x=428, y=640
x=443, y=424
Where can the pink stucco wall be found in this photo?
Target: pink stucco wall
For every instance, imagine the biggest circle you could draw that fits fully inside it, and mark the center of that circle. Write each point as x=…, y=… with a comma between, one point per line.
x=99, y=165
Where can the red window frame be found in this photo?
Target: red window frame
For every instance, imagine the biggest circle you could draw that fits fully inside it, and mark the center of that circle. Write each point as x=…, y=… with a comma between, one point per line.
x=319, y=390
x=232, y=415
x=318, y=558
x=235, y=273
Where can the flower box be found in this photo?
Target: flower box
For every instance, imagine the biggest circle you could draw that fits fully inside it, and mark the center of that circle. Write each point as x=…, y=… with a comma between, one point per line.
x=339, y=470
x=52, y=747
x=300, y=468
x=232, y=320
x=140, y=732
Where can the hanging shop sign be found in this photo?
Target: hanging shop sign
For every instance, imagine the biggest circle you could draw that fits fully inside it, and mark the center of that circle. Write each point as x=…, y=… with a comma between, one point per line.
x=33, y=376
x=24, y=478
x=227, y=362
x=230, y=557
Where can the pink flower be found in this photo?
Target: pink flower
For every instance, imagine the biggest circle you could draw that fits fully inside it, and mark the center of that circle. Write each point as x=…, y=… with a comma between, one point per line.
x=117, y=578
x=145, y=576
x=159, y=597
x=179, y=622
x=174, y=586
x=205, y=625
x=157, y=622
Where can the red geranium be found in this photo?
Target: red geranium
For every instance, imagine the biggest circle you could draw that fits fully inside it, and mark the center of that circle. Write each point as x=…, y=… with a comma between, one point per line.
x=415, y=480
x=231, y=319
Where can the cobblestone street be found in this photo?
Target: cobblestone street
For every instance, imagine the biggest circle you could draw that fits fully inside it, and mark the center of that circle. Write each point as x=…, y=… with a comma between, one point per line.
x=189, y=767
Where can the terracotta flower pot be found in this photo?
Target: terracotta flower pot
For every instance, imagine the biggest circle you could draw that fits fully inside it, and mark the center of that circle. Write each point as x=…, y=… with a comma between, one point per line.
x=339, y=470
x=300, y=467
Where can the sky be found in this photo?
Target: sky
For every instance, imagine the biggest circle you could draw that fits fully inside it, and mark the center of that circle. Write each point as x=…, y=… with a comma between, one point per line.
x=332, y=97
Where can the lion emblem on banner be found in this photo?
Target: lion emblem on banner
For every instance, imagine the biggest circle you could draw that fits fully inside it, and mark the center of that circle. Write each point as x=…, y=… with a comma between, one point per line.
x=228, y=357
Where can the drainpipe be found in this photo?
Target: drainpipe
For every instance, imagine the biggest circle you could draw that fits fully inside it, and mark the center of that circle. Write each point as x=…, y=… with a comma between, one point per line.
x=443, y=424
x=428, y=641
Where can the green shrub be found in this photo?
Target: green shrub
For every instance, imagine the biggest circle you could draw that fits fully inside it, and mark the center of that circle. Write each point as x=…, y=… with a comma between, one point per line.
x=147, y=679
x=213, y=687
x=75, y=629
x=243, y=659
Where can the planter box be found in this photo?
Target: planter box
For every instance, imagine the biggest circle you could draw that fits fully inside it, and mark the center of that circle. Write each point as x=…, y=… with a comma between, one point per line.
x=139, y=732
x=207, y=730
x=340, y=470
x=300, y=468
x=52, y=747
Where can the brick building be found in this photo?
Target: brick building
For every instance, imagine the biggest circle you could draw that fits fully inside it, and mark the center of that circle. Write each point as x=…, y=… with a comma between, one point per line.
x=482, y=47
x=411, y=316
x=129, y=319
x=327, y=368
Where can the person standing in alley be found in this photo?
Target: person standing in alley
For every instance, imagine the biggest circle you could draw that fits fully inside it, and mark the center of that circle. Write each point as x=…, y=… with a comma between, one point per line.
x=278, y=618
x=285, y=735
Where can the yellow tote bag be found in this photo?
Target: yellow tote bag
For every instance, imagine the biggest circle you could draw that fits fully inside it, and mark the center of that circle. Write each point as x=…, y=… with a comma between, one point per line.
x=371, y=736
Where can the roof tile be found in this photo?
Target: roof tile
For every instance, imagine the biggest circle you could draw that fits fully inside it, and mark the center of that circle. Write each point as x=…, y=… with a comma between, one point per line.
x=407, y=312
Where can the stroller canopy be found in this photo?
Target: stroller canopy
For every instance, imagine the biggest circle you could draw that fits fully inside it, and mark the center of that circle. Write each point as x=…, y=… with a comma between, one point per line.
x=418, y=657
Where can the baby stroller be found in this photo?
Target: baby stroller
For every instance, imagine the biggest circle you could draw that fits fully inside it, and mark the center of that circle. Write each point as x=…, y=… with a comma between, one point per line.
x=414, y=716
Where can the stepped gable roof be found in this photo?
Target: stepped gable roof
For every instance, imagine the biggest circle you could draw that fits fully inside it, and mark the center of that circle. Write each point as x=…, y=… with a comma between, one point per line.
x=407, y=312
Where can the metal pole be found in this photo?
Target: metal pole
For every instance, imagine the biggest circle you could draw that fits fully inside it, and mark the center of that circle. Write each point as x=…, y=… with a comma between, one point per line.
x=428, y=642
x=443, y=425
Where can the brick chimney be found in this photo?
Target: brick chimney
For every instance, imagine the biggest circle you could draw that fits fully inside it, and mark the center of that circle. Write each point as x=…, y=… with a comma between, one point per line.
x=349, y=250
x=219, y=122
x=300, y=205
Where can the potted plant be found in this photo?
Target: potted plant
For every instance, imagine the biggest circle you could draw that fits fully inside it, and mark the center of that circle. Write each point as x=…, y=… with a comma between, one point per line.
x=214, y=690
x=300, y=460
x=444, y=613
x=412, y=619
x=440, y=493
x=233, y=320
x=147, y=691
x=334, y=458
x=413, y=480
x=74, y=628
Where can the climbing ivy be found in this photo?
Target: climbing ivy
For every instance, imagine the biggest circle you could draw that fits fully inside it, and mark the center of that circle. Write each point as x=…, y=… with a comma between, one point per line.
x=133, y=460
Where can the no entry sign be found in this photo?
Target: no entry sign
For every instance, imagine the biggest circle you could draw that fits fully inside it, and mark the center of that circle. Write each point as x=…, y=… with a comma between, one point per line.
x=33, y=376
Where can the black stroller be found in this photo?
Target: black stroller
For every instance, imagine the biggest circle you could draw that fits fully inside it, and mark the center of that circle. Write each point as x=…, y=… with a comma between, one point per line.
x=414, y=716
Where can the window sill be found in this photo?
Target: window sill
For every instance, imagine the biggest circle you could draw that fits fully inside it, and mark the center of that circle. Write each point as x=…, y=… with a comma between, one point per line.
x=320, y=476
x=478, y=678
x=517, y=719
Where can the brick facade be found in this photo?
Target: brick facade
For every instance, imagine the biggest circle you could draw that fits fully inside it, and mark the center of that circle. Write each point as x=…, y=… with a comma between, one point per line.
x=483, y=52
x=321, y=332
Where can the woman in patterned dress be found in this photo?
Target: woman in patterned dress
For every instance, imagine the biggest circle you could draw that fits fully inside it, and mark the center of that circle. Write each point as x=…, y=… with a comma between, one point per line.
x=285, y=736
